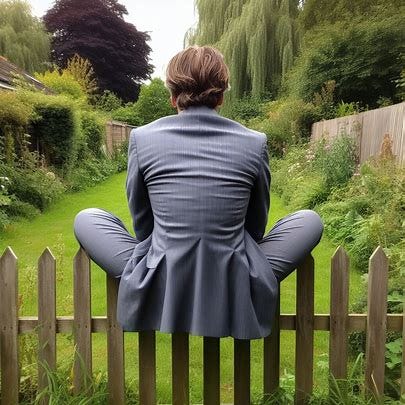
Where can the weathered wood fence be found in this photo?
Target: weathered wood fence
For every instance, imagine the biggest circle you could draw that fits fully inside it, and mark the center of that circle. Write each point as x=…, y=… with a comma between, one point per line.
x=116, y=133
x=339, y=323
x=369, y=129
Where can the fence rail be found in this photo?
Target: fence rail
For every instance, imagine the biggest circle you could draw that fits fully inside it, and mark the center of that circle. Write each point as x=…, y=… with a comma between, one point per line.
x=369, y=129
x=339, y=323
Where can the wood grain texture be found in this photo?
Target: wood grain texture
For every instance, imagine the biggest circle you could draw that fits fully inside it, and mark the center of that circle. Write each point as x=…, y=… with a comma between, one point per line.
x=339, y=309
x=82, y=322
x=115, y=347
x=304, y=338
x=376, y=322
x=46, y=318
x=9, y=328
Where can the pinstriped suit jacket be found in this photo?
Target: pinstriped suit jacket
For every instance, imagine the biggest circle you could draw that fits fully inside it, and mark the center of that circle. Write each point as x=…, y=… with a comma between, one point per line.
x=198, y=192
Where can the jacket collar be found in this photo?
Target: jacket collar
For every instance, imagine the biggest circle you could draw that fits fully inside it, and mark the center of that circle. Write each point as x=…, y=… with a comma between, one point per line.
x=199, y=109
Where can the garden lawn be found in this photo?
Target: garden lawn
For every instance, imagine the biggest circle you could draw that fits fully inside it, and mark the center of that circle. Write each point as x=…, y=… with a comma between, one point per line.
x=28, y=239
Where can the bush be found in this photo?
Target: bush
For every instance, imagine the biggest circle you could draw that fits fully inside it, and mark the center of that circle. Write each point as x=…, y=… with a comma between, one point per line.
x=39, y=188
x=63, y=83
x=245, y=109
x=107, y=101
x=92, y=134
x=128, y=114
x=287, y=121
x=55, y=127
x=153, y=102
x=360, y=55
x=14, y=118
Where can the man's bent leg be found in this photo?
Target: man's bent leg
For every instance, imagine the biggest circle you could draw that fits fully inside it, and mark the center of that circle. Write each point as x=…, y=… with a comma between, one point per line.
x=290, y=240
x=105, y=239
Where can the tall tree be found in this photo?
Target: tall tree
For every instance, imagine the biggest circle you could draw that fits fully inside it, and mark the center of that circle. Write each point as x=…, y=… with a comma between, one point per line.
x=96, y=30
x=23, y=38
x=259, y=39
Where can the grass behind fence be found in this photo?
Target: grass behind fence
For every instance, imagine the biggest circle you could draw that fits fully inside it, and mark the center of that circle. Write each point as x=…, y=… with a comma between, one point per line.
x=54, y=229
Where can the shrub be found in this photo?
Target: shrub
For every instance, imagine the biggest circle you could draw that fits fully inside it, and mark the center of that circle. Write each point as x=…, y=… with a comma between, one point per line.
x=153, y=102
x=128, y=114
x=55, y=128
x=360, y=55
x=245, y=109
x=286, y=121
x=14, y=118
x=107, y=101
x=92, y=133
x=62, y=82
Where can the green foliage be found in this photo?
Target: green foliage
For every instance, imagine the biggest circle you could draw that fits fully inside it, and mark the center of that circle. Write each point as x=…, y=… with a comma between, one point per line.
x=93, y=134
x=128, y=114
x=14, y=119
x=55, y=127
x=259, y=39
x=23, y=39
x=306, y=176
x=62, y=83
x=153, y=102
x=287, y=121
x=360, y=55
x=108, y=101
x=245, y=109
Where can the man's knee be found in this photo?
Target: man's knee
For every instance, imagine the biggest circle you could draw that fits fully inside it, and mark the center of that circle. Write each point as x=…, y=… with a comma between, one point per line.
x=83, y=220
x=314, y=222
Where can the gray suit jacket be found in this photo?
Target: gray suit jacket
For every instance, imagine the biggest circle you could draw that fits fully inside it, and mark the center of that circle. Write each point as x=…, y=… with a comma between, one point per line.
x=198, y=192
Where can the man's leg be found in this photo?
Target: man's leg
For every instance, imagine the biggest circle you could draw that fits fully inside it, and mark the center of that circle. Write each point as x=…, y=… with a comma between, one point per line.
x=105, y=239
x=290, y=240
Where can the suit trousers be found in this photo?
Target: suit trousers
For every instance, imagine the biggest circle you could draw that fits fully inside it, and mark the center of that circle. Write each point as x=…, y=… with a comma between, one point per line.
x=110, y=245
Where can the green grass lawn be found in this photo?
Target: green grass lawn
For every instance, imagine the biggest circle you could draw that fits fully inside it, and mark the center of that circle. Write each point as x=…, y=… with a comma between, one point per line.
x=54, y=229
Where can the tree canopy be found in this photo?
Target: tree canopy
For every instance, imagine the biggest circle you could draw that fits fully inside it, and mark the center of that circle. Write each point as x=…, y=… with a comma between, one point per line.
x=258, y=38
x=364, y=58
x=23, y=39
x=96, y=30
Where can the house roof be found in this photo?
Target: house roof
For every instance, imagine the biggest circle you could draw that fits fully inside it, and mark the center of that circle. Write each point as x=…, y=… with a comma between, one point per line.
x=9, y=72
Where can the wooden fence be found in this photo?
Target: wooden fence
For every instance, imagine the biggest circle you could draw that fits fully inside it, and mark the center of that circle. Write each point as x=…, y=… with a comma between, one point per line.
x=369, y=129
x=116, y=133
x=339, y=323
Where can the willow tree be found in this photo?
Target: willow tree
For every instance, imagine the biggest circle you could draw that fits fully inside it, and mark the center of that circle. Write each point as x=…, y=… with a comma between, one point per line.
x=23, y=39
x=258, y=38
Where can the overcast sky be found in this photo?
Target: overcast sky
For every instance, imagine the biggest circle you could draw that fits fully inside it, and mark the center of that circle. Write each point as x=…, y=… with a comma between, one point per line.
x=165, y=20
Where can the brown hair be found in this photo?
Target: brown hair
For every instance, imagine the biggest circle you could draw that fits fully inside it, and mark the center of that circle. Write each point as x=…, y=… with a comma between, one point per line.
x=197, y=76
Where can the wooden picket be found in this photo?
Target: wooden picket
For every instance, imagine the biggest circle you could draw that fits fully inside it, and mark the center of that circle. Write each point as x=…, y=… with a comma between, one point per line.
x=339, y=323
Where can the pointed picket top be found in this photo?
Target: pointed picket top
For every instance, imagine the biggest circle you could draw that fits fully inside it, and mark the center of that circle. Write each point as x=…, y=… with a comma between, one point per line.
x=8, y=254
x=379, y=259
x=46, y=257
x=81, y=254
x=340, y=257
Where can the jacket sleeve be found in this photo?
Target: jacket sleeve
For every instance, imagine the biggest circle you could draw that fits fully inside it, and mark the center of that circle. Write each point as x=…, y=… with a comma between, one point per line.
x=137, y=194
x=259, y=203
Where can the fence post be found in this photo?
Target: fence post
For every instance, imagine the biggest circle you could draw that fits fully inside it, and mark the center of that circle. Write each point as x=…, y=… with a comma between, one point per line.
x=147, y=367
x=46, y=318
x=115, y=347
x=304, y=338
x=271, y=354
x=211, y=348
x=376, y=322
x=180, y=368
x=403, y=350
x=9, y=328
x=82, y=322
x=339, y=309
x=241, y=371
